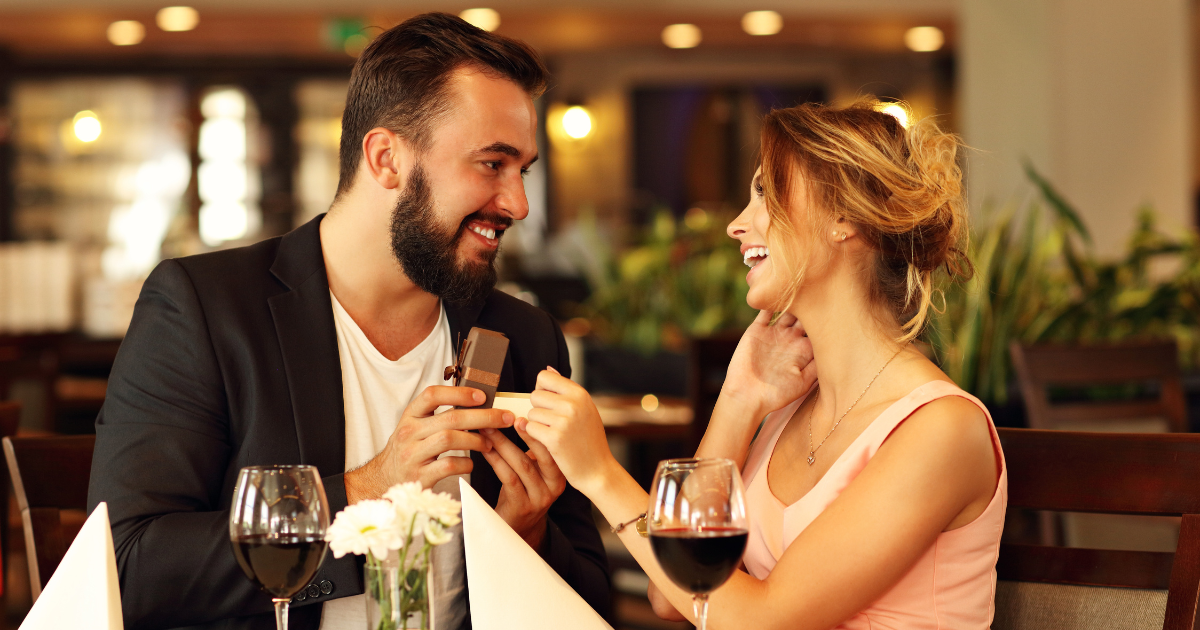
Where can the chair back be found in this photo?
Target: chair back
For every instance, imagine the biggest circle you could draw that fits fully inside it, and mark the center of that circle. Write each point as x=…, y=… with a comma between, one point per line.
x=1114, y=473
x=49, y=475
x=10, y=419
x=1041, y=366
x=708, y=362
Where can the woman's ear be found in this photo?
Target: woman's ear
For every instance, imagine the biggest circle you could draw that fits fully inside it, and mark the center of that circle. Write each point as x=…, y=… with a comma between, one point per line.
x=842, y=230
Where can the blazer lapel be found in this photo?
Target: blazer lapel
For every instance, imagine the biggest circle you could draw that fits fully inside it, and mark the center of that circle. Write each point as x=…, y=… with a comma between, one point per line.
x=308, y=339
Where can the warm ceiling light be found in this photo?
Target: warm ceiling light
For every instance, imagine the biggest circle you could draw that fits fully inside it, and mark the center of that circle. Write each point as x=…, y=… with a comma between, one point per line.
x=681, y=36
x=486, y=19
x=650, y=402
x=86, y=126
x=126, y=32
x=924, y=38
x=898, y=111
x=762, y=23
x=177, y=18
x=576, y=122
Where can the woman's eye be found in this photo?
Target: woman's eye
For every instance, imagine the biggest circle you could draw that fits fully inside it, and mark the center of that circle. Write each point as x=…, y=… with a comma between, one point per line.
x=758, y=190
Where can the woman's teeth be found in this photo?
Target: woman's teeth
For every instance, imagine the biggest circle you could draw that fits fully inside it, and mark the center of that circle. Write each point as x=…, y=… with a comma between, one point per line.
x=487, y=233
x=755, y=255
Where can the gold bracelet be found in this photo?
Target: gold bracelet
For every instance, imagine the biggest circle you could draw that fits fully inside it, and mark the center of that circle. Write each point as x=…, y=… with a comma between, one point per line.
x=641, y=526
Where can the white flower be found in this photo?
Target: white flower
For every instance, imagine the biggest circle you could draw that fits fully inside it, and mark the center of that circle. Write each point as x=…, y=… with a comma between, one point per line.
x=435, y=533
x=429, y=512
x=366, y=526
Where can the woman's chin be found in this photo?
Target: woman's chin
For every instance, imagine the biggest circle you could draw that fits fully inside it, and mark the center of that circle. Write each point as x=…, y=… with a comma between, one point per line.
x=756, y=301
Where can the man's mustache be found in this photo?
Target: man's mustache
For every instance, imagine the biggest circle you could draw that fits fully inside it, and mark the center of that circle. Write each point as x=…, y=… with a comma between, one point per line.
x=499, y=220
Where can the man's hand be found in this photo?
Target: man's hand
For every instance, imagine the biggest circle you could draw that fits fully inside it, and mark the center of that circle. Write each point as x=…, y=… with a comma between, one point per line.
x=532, y=482
x=412, y=450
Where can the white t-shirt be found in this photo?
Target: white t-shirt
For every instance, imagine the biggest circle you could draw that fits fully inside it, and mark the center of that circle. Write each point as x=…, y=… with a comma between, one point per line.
x=376, y=392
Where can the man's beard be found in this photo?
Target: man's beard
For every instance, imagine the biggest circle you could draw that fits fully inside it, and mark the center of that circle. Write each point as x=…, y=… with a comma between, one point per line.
x=429, y=255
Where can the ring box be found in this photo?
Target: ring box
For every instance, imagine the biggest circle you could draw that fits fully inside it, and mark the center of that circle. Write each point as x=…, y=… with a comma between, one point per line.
x=480, y=361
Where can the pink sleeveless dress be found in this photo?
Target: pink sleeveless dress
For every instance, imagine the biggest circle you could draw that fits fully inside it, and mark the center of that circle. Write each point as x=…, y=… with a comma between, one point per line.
x=952, y=585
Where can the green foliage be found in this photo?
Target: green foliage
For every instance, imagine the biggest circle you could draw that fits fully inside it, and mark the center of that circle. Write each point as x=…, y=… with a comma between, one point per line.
x=1037, y=280
x=680, y=279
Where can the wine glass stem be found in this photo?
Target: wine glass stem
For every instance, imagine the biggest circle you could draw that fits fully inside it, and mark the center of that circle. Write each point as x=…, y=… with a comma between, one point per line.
x=281, y=612
x=700, y=609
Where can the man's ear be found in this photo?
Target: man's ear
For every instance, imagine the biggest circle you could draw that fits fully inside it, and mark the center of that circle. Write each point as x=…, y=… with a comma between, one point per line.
x=387, y=157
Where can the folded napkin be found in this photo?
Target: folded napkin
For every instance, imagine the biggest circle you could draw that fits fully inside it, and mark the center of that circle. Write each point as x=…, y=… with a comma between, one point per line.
x=84, y=591
x=511, y=587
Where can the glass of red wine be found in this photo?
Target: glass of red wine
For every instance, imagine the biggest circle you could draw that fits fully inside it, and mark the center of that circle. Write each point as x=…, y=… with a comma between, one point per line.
x=697, y=524
x=277, y=527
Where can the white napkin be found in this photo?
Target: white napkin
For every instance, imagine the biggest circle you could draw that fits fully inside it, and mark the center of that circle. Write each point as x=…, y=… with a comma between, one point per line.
x=511, y=587
x=84, y=591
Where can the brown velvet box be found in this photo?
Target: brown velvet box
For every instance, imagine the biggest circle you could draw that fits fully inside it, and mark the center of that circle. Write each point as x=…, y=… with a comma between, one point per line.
x=480, y=360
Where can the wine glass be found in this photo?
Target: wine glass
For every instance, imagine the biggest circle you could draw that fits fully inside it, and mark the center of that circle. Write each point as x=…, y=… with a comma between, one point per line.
x=277, y=527
x=697, y=524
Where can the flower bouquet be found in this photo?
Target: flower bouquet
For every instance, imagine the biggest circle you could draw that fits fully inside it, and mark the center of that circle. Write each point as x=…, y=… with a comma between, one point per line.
x=409, y=521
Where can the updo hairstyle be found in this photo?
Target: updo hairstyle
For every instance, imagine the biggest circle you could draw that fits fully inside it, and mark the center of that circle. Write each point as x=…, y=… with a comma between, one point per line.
x=900, y=188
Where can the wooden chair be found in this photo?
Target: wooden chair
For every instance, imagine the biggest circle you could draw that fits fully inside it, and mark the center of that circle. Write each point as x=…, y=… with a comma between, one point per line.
x=49, y=475
x=10, y=419
x=1065, y=588
x=1041, y=366
x=708, y=362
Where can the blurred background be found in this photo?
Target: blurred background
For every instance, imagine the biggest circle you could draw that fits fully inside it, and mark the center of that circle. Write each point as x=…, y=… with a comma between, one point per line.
x=132, y=131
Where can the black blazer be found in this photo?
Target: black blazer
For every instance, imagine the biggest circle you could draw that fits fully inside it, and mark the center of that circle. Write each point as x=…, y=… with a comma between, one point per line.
x=231, y=360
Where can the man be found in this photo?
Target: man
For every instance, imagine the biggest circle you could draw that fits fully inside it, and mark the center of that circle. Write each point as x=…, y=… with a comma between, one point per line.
x=326, y=347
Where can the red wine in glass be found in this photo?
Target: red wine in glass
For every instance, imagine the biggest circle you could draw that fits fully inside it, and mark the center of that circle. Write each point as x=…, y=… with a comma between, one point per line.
x=699, y=561
x=277, y=526
x=281, y=565
x=697, y=523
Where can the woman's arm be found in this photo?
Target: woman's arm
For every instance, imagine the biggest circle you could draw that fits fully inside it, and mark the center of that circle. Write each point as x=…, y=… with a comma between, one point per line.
x=939, y=465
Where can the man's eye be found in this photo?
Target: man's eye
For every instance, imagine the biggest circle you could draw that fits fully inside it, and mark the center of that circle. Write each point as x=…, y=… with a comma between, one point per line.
x=524, y=172
x=494, y=165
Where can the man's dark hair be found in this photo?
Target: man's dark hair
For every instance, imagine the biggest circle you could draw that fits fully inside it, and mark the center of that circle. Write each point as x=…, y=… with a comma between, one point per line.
x=400, y=80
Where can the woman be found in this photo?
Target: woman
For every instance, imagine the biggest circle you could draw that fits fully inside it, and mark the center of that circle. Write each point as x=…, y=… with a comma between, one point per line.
x=876, y=492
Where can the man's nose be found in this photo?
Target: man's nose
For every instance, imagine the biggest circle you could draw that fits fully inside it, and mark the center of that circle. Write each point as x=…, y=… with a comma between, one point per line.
x=512, y=199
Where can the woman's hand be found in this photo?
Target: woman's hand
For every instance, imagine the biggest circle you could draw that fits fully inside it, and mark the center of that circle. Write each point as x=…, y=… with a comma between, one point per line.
x=661, y=605
x=565, y=420
x=772, y=366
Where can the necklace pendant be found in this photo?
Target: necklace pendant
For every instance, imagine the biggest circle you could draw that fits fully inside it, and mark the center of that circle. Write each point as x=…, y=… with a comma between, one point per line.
x=811, y=458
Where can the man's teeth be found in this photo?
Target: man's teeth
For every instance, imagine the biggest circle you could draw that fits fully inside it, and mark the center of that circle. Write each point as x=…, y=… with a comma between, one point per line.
x=755, y=255
x=488, y=233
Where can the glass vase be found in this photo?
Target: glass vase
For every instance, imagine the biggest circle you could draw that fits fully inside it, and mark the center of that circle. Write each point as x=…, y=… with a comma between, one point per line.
x=397, y=597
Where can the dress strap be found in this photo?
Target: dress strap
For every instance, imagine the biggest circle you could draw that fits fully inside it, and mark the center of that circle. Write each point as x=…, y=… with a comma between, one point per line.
x=883, y=427
x=764, y=444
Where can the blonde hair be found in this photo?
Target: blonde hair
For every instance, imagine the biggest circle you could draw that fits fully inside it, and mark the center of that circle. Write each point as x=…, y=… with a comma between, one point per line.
x=900, y=188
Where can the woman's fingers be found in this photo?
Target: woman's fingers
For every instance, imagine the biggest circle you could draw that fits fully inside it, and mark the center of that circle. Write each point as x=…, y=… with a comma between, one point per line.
x=763, y=318
x=554, y=382
x=545, y=399
x=544, y=416
x=786, y=320
x=540, y=432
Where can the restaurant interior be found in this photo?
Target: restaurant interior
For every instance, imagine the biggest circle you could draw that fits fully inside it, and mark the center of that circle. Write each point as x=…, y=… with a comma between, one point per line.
x=132, y=132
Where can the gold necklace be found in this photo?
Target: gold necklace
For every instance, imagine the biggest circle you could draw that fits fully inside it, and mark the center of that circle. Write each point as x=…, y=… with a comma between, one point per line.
x=812, y=452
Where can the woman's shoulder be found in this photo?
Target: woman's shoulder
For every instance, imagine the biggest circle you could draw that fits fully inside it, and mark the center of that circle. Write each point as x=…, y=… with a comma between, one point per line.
x=950, y=427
